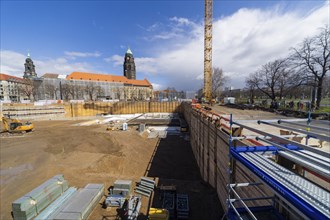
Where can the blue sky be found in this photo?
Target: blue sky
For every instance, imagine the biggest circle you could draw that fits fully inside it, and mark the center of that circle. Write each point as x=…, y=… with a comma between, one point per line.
x=166, y=37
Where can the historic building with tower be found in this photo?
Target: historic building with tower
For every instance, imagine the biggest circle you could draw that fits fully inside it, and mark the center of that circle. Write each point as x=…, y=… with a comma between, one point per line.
x=76, y=85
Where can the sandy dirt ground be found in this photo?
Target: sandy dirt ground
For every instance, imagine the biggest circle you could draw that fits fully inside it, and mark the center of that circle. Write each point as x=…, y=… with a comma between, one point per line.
x=90, y=154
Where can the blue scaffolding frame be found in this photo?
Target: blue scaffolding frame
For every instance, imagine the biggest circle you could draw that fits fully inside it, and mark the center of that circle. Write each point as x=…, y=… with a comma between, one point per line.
x=311, y=200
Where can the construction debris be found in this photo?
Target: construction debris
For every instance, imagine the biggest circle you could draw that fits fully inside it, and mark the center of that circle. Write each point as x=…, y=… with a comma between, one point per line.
x=162, y=131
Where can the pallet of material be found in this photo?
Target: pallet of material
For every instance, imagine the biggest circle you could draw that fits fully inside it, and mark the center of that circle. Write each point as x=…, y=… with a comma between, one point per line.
x=182, y=206
x=122, y=187
x=145, y=186
x=80, y=205
x=32, y=203
x=168, y=203
x=143, y=191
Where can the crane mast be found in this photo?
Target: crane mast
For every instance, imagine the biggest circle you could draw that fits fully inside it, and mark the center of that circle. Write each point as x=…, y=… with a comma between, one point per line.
x=208, y=50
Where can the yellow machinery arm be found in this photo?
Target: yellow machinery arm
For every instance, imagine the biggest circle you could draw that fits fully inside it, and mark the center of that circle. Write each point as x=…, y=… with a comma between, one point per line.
x=16, y=126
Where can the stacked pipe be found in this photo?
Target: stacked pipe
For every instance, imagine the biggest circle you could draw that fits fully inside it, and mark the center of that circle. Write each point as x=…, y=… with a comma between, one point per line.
x=32, y=203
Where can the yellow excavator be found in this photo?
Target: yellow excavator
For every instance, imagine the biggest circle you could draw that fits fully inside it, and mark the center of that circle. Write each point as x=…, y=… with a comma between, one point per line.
x=16, y=126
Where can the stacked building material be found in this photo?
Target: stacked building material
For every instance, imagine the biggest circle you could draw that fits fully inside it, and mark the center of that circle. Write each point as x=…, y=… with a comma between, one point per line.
x=168, y=203
x=56, y=205
x=117, y=196
x=32, y=203
x=122, y=187
x=145, y=186
x=182, y=206
x=81, y=204
x=114, y=201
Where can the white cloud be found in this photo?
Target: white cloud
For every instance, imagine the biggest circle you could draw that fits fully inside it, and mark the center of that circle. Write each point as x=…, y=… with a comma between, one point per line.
x=156, y=86
x=182, y=21
x=74, y=54
x=242, y=43
x=146, y=65
x=115, y=59
x=12, y=63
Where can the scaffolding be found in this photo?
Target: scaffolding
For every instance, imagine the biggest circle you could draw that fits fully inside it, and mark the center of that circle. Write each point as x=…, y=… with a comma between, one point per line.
x=302, y=198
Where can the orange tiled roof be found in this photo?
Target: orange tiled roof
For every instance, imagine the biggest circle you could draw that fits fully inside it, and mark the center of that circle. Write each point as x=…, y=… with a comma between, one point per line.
x=107, y=78
x=9, y=77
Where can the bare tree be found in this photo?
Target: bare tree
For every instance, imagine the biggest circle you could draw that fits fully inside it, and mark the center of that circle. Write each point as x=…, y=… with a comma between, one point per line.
x=326, y=88
x=274, y=79
x=313, y=58
x=90, y=89
x=75, y=91
x=50, y=90
x=27, y=89
x=251, y=87
x=93, y=91
x=65, y=91
x=99, y=92
x=218, y=80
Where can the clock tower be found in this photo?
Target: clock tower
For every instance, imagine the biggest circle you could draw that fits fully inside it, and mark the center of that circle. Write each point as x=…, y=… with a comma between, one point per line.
x=30, y=71
x=129, y=65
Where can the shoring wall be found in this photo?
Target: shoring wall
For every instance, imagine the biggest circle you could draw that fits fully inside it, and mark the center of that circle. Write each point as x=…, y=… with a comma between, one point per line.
x=72, y=110
x=96, y=108
x=210, y=146
x=29, y=111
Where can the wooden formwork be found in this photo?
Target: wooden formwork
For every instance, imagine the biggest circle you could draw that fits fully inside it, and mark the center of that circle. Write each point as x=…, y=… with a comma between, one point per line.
x=71, y=110
x=97, y=108
x=210, y=146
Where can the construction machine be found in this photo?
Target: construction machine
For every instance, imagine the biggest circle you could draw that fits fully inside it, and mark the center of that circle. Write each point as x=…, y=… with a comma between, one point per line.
x=16, y=126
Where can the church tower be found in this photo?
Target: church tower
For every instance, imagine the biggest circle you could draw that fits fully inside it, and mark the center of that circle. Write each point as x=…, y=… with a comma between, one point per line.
x=30, y=71
x=129, y=65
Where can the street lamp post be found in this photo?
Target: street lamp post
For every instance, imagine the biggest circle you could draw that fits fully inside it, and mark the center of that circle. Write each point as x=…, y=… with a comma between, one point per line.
x=61, y=89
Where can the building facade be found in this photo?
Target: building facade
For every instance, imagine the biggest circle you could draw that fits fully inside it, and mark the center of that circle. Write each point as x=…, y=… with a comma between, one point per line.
x=75, y=86
x=13, y=89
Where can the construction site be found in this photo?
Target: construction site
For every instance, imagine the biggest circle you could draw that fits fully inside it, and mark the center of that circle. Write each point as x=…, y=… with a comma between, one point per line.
x=219, y=163
x=162, y=160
